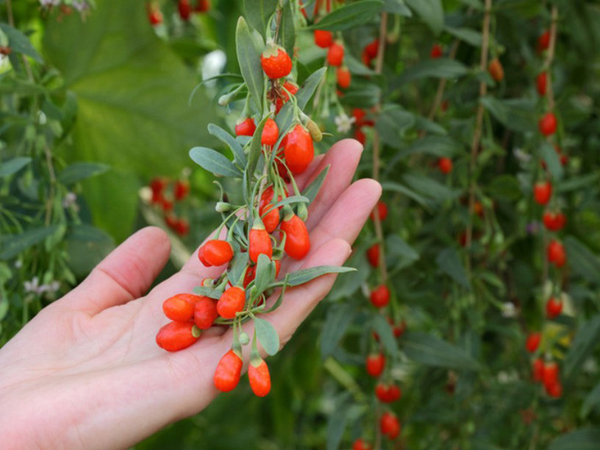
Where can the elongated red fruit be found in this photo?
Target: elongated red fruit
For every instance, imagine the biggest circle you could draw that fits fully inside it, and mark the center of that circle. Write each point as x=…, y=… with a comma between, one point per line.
x=260, y=379
x=177, y=308
x=297, y=240
x=205, y=313
x=232, y=301
x=215, y=252
x=176, y=336
x=229, y=370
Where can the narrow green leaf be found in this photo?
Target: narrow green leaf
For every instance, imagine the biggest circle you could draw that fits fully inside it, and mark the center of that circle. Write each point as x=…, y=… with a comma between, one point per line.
x=467, y=35
x=397, y=7
x=236, y=268
x=449, y=262
x=579, y=182
x=207, y=292
x=254, y=155
x=441, y=146
x=349, y=16
x=392, y=124
x=88, y=233
x=81, y=171
x=13, y=165
x=582, y=439
x=397, y=187
x=591, y=402
x=20, y=43
x=582, y=260
x=291, y=201
x=339, y=317
x=311, y=191
x=267, y=336
x=20, y=242
x=430, y=188
x=383, y=329
x=336, y=426
x=230, y=141
x=264, y=272
x=214, y=162
x=436, y=68
x=288, y=31
x=432, y=351
x=249, y=60
x=4, y=305
x=306, y=275
x=431, y=11
x=258, y=13
x=550, y=156
x=586, y=339
x=515, y=115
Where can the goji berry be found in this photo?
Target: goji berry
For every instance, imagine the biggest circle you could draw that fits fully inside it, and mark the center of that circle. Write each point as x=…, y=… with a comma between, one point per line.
x=232, y=301
x=554, y=390
x=542, y=192
x=382, y=210
x=335, y=55
x=259, y=242
x=343, y=77
x=155, y=16
x=215, y=252
x=544, y=41
x=181, y=189
x=260, y=379
x=556, y=253
x=182, y=227
x=389, y=425
x=270, y=133
x=554, y=221
x=375, y=364
x=275, y=61
x=373, y=255
x=178, y=308
x=228, y=373
x=380, y=296
x=553, y=308
x=176, y=336
x=269, y=214
x=533, y=342
x=436, y=51
x=205, y=312
x=185, y=9
x=245, y=127
x=299, y=150
x=537, y=370
x=360, y=444
x=297, y=240
x=541, y=83
x=250, y=275
x=323, y=38
x=202, y=6
x=445, y=165
x=372, y=49
x=548, y=124
x=550, y=376
x=496, y=70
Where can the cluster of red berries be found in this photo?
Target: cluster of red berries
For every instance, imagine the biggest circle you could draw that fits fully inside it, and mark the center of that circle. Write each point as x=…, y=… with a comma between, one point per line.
x=335, y=56
x=546, y=372
x=165, y=195
x=360, y=122
x=185, y=9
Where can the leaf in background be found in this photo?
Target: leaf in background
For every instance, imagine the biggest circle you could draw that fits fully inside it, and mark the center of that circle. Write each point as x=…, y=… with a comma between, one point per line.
x=582, y=439
x=449, y=262
x=258, y=13
x=87, y=233
x=383, y=329
x=552, y=160
x=306, y=275
x=336, y=426
x=432, y=351
x=586, y=339
x=249, y=61
x=264, y=272
x=436, y=68
x=429, y=187
x=579, y=182
x=267, y=336
x=237, y=266
x=339, y=317
x=306, y=91
x=433, y=145
x=311, y=191
x=431, y=11
x=591, y=402
x=17, y=243
x=399, y=254
x=392, y=123
x=362, y=94
x=214, y=162
x=20, y=43
x=504, y=187
x=349, y=16
x=582, y=260
x=288, y=30
x=397, y=7
x=397, y=187
x=230, y=141
x=515, y=115
x=13, y=165
x=467, y=35
x=132, y=92
x=81, y=171
x=207, y=292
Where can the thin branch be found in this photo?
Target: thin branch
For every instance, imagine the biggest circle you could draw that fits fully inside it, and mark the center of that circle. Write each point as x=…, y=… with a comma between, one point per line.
x=439, y=95
x=550, y=58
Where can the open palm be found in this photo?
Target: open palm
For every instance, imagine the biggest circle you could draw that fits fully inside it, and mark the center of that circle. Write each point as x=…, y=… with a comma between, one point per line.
x=87, y=373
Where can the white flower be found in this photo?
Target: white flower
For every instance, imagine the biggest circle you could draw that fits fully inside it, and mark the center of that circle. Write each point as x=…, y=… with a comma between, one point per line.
x=145, y=194
x=344, y=123
x=18, y=264
x=32, y=286
x=69, y=200
x=508, y=310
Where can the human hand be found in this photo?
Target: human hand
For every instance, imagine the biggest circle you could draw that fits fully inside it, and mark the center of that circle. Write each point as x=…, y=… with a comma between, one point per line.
x=86, y=371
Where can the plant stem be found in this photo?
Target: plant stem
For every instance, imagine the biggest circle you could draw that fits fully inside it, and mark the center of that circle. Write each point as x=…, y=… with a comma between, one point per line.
x=550, y=58
x=478, y=127
x=442, y=85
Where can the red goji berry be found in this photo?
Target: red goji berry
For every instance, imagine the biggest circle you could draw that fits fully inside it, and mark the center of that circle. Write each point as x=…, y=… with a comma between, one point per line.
x=335, y=55
x=533, y=342
x=232, y=301
x=270, y=133
x=496, y=70
x=554, y=221
x=445, y=165
x=299, y=150
x=205, y=312
x=380, y=296
x=202, y=6
x=373, y=255
x=185, y=9
x=436, y=51
x=245, y=127
x=554, y=390
x=275, y=61
x=556, y=253
x=323, y=38
x=181, y=189
x=541, y=83
x=176, y=336
x=542, y=192
x=360, y=444
x=548, y=124
x=343, y=77
x=260, y=242
x=260, y=379
x=215, y=252
x=544, y=41
x=382, y=210
x=553, y=308
x=228, y=373
x=297, y=240
x=178, y=308
x=389, y=425
x=537, y=370
x=375, y=364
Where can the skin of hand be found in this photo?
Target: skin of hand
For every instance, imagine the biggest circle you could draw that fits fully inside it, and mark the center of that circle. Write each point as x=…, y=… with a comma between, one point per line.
x=86, y=372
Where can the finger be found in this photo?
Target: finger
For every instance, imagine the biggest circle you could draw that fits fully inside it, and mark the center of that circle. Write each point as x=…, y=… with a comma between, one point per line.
x=125, y=274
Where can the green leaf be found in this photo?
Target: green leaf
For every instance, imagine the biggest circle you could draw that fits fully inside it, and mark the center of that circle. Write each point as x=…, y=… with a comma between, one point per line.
x=288, y=30
x=214, y=162
x=311, y=191
x=81, y=171
x=339, y=317
x=586, y=339
x=13, y=165
x=258, y=13
x=591, y=402
x=362, y=94
x=132, y=91
x=236, y=268
x=431, y=11
x=4, y=305
x=291, y=201
x=430, y=188
x=356, y=67
x=306, y=91
x=264, y=272
x=230, y=141
x=432, y=351
x=267, y=336
x=397, y=7
x=504, y=187
x=467, y=35
x=336, y=426
x=207, y=292
x=434, y=68
x=383, y=329
x=20, y=242
x=550, y=156
x=582, y=260
x=392, y=123
x=449, y=262
x=349, y=16
x=20, y=43
x=515, y=115
x=577, y=183
x=249, y=60
x=440, y=146
x=306, y=275
x=582, y=439
x=254, y=155
x=397, y=187
x=87, y=233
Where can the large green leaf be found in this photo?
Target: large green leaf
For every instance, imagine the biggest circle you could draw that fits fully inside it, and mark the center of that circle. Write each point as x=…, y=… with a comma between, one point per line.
x=432, y=351
x=585, y=341
x=583, y=439
x=433, y=68
x=258, y=13
x=249, y=60
x=132, y=96
x=349, y=16
x=431, y=11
